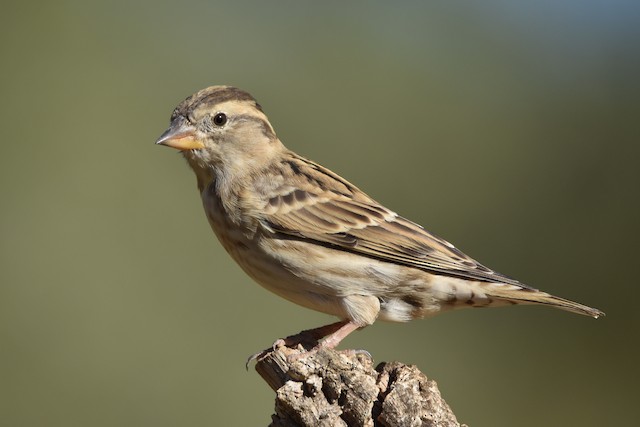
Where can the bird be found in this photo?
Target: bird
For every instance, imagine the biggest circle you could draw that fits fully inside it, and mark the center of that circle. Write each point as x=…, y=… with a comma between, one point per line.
x=310, y=236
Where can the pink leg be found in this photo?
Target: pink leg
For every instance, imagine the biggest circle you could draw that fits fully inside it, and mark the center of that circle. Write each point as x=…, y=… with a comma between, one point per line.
x=334, y=333
x=332, y=340
x=312, y=336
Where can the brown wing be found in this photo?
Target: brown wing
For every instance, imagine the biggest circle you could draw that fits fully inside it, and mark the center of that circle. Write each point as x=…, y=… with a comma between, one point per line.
x=319, y=206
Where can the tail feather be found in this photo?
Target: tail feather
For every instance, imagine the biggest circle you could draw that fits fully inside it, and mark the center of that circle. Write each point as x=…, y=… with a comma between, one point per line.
x=518, y=295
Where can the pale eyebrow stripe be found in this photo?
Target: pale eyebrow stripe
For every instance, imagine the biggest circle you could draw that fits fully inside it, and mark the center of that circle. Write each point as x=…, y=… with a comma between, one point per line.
x=264, y=125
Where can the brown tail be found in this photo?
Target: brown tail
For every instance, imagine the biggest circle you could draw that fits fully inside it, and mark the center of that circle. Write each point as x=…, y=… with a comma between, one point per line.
x=516, y=295
x=564, y=304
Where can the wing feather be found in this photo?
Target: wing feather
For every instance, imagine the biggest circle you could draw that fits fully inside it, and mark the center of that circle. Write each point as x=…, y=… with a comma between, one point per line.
x=349, y=220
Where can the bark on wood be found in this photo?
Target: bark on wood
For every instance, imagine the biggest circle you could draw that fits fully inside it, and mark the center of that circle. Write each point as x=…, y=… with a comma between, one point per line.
x=332, y=388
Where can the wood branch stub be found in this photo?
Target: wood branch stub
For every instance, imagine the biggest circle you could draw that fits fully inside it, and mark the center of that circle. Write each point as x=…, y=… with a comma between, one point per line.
x=332, y=388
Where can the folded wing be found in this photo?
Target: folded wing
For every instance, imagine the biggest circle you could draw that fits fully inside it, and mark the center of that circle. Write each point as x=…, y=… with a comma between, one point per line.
x=318, y=206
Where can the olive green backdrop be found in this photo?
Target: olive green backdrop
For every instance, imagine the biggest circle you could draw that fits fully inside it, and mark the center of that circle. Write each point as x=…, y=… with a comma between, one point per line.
x=509, y=128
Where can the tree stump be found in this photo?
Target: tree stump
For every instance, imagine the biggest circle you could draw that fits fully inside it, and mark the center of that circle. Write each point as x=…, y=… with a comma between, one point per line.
x=333, y=388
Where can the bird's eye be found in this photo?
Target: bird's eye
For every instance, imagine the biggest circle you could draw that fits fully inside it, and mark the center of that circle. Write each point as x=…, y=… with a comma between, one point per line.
x=220, y=119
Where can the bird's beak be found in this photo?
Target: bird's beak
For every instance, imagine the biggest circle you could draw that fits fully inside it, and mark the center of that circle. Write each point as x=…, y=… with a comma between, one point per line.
x=181, y=135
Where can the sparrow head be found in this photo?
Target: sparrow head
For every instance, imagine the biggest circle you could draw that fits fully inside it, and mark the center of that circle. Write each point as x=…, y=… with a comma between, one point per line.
x=221, y=127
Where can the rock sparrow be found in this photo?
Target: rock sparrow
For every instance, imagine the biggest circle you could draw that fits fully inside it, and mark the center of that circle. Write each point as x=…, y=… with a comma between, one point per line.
x=310, y=236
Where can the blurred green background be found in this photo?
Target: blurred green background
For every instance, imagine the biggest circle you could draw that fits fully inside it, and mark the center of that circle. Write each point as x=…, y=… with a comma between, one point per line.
x=509, y=128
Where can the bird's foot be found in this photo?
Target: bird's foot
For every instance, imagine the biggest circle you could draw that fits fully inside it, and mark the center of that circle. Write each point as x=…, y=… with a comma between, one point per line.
x=307, y=339
x=310, y=342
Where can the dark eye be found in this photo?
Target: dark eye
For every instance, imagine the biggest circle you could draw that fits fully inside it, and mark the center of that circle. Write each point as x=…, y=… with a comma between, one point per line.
x=220, y=119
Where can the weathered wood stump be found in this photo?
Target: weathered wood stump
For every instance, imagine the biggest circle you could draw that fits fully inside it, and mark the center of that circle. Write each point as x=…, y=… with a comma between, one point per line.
x=333, y=388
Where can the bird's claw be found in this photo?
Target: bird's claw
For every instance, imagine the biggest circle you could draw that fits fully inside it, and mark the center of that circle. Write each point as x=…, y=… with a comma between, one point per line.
x=361, y=351
x=257, y=357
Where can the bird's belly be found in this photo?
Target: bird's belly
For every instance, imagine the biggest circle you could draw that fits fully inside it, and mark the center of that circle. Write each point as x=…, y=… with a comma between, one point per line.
x=327, y=280
x=279, y=272
x=337, y=282
x=307, y=287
